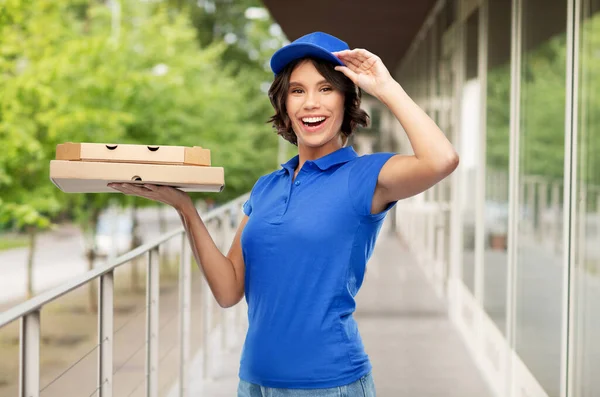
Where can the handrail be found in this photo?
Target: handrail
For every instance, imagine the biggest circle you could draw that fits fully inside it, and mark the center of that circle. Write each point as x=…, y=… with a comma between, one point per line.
x=29, y=312
x=44, y=298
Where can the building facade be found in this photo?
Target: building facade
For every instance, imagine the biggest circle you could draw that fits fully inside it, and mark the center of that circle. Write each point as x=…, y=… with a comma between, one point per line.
x=512, y=239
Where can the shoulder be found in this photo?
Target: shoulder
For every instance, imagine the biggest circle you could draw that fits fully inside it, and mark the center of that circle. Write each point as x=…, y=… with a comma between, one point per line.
x=369, y=163
x=266, y=179
x=265, y=183
x=363, y=178
x=261, y=186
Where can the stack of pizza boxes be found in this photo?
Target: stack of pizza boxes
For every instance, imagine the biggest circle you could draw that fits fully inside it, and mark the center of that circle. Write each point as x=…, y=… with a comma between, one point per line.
x=90, y=167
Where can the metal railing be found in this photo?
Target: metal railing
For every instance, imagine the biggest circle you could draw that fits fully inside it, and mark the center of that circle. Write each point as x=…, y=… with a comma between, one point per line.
x=222, y=223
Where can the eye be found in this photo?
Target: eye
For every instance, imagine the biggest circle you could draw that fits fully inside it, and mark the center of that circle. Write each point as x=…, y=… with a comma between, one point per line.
x=296, y=90
x=327, y=89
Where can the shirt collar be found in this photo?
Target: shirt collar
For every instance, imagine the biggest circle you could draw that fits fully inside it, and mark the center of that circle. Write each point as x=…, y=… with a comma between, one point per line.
x=340, y=156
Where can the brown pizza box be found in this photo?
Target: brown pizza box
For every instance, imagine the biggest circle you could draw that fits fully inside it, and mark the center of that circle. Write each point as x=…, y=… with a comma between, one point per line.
x=126, y=153
x=93, y=176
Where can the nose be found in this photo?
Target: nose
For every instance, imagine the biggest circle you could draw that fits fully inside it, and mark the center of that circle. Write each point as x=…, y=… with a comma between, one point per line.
x=312, y=101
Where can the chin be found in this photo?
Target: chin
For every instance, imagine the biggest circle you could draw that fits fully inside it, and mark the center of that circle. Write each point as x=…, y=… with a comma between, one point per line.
x=314, y=142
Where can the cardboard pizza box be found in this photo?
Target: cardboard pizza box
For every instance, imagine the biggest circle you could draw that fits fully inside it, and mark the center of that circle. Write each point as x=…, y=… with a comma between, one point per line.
x=93, y=176
x=176, y=155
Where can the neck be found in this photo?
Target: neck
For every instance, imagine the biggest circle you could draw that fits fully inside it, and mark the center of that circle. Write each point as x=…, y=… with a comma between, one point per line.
x=306, y=153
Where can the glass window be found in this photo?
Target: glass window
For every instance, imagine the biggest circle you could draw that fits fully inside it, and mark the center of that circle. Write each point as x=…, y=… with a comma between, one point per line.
x=496, y=159
x=587, y=220
x=469, y=142
x=446, y=73
x=541, y=172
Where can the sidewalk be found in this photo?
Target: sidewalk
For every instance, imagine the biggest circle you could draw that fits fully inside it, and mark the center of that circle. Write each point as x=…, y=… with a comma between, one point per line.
x=413, y=346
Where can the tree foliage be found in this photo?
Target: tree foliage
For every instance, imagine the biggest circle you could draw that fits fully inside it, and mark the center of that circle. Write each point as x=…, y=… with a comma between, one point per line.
x=542, y=108
x=87, y=71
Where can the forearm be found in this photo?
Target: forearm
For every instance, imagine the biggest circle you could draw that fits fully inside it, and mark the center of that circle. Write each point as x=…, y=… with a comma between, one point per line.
x=428, y=142
x=216, y=267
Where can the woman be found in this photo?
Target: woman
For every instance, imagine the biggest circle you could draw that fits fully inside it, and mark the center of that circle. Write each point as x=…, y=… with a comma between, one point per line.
x=300, y=252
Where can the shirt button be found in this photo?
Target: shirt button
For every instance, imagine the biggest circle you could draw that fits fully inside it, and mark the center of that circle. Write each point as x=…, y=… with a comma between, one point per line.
x=297, y=183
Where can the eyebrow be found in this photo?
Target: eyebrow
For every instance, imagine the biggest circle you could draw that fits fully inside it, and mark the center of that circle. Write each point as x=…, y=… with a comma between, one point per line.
x=324, y=81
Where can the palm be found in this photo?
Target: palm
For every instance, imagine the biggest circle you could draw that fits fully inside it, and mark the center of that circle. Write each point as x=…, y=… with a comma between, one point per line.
x=163, y=194
x=365, y=69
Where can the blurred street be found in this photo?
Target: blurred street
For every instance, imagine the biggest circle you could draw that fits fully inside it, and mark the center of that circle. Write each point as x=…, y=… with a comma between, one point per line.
x=60, y=255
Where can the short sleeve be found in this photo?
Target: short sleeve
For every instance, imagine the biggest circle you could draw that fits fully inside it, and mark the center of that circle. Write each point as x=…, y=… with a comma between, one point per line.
x=247, y=207
x=248, y=204
x=362, y=181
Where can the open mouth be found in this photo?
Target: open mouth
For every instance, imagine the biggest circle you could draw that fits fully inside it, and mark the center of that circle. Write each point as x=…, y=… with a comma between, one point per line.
x=313, y=122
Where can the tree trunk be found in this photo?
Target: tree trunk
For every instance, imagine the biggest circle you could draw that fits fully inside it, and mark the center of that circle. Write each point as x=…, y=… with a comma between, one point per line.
x=32, y=232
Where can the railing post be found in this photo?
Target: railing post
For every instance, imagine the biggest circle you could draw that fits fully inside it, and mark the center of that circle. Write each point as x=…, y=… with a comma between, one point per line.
x=185, y=279
x=105, y=334
x=226, y=243
x=29, y=382
x=152, y=296
x=206, y=327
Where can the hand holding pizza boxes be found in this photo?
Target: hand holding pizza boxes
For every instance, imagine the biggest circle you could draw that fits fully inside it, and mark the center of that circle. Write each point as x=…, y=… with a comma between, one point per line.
x=89, y=167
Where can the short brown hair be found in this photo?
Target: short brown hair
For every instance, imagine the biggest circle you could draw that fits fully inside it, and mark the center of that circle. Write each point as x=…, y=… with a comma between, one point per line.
x=354, y=116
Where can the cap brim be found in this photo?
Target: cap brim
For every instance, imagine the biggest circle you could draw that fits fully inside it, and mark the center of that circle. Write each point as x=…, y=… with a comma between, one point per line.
x=294, y=51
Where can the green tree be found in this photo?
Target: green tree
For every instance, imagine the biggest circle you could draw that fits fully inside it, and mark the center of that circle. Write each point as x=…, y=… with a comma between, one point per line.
x=68, y=72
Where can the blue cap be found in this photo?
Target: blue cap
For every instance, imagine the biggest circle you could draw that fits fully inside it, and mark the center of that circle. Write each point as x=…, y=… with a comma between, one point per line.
x=318, y=44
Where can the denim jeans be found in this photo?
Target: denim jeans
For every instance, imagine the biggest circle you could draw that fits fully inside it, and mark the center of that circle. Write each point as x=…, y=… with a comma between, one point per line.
x=364, y=387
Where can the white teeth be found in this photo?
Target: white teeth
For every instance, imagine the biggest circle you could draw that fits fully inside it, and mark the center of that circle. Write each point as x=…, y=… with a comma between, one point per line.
x=313, y=119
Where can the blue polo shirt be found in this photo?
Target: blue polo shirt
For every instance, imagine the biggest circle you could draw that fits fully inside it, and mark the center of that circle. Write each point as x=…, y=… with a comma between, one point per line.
x=305, y=247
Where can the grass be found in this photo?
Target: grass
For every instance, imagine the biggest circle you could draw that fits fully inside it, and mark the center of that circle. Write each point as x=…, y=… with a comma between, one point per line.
x=10, y=241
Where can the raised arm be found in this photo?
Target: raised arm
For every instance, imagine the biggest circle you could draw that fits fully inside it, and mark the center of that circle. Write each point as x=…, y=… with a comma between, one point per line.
x=434, y=156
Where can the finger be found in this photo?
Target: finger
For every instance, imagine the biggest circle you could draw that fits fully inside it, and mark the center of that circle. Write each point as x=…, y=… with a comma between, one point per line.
x=341, y=53
x=356, y=52
x=362, y=54
x=348, y=72
x=118, y=186
x=150, y=187
x=130, y=188
x=365, y=58
x=351, y=63
x=152, y=192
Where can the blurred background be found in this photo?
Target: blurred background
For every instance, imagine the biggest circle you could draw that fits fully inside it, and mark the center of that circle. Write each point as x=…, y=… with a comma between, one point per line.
x=508, y=247
x=186, y=73
x=169, y=72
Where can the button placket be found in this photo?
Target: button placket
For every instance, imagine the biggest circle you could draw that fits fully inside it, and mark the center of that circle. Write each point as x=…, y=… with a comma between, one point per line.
x=286, y=201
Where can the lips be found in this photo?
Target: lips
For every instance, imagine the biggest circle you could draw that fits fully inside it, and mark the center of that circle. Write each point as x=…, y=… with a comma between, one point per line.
x=314, y=123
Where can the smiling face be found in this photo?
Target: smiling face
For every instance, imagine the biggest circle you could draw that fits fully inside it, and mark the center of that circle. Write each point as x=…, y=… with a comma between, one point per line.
x=315, y=109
